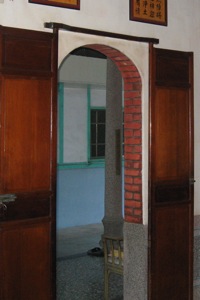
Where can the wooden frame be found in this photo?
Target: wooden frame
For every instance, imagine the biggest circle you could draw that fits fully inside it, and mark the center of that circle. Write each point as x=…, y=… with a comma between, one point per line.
x=113, y=259
x=74, y=4
x=149, y=11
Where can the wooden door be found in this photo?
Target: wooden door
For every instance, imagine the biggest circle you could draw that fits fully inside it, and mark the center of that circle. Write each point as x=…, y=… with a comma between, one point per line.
x=171, y=176
x=27, y=164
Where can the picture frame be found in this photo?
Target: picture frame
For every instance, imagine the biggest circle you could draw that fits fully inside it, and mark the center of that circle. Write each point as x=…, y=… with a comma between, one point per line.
x=73, y=4
x=149, y=11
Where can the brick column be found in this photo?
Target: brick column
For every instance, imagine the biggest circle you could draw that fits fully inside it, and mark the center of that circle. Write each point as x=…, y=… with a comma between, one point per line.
x=113, y=220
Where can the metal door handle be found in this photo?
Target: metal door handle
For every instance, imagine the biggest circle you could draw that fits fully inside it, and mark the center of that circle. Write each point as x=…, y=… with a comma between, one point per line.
x=6, y=198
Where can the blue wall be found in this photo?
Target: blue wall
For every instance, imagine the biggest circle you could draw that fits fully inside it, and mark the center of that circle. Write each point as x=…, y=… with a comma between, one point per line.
x=80, y=196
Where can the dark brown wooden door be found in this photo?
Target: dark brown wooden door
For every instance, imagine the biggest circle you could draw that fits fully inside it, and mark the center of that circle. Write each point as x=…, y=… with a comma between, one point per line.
x=27, y=164
x=171, y=176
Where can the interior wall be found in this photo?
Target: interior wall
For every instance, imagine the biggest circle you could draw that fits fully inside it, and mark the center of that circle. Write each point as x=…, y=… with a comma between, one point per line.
x=80, y=181
x=80, y=197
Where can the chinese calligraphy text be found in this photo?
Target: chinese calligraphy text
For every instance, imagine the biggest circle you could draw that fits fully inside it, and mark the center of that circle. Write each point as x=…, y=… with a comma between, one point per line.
x=149, y=11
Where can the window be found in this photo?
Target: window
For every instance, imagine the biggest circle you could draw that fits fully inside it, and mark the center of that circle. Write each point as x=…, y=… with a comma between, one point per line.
x=97, y=133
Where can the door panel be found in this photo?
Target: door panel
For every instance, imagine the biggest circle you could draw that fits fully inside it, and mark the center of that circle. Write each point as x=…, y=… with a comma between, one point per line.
x=28, y=68
x=171, y=261
x=26, y=52
x=25, y=245
x=27, y=137
x=171, y=133
x=171, y=171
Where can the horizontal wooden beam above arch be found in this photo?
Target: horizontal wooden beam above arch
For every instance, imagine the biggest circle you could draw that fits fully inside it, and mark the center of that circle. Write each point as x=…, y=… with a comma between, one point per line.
x=57, y=26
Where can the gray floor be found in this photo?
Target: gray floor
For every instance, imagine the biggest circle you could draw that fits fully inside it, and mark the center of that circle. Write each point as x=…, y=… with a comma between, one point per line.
x=72, y=246
x=78, y=240
x=80, y=276
x=196, y=293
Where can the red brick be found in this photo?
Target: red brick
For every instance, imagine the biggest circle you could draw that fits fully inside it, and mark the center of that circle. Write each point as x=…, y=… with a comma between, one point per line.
x=132, y=188
x=129, y=164
x=137, y=149
x=131, y=219
x=137, y=101
x=133, y=156
x=137, y=212
x=137, y=180
x=128, y=117
x=128, y=102
x=132, y=125
x=127, y=74
x=124, y=68
x=131, y=79
x=128, y=149
x=137, y=196
x=137, y=165
x=129, y=172
x=128, y=87
x=128, y=203
x=132, y=109
x=137, y=117
x=128, y=211
x=133, y=141
x=137, y=133
x=128, y=133
x=128, y=195
x=132, y=94
x=128, y=179
x=137, y=86
x=120, y=57
x=137, y=204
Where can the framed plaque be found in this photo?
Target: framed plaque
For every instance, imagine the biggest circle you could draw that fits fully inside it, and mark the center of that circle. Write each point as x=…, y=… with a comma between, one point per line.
x=75, y=4
x=149, y=11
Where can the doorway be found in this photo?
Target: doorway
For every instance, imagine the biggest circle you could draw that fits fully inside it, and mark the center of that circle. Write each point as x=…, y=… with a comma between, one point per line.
x=29, y=221
x=132, y=135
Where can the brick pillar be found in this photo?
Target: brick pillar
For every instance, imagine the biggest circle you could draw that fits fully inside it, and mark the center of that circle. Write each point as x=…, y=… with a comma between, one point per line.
x=113, y=220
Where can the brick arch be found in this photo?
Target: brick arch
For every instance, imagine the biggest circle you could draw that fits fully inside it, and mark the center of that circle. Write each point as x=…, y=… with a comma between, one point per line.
x=132, y=131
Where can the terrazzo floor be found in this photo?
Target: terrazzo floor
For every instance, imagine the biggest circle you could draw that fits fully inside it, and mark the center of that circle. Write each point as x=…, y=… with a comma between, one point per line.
x=79, y=276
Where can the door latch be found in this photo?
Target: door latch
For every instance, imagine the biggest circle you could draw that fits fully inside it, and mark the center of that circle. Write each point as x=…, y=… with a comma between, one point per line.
x=192, y=180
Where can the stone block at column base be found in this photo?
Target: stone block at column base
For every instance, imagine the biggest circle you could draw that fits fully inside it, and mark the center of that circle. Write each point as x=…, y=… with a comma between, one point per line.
x=135, y=261
x=113, y=226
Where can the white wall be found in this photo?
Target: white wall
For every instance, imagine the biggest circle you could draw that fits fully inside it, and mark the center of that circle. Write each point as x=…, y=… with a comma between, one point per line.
x=112, y=15
x=75, y=121
x=75, y=137
x=182, y=33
